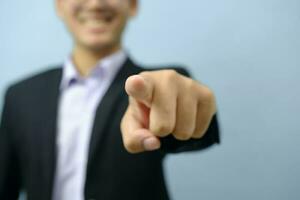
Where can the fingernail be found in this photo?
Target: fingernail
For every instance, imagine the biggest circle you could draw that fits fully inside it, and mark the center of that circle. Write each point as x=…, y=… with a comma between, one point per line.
x=151, y=144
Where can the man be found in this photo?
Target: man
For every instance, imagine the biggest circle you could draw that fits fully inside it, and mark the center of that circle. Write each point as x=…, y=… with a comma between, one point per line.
x=60, y=133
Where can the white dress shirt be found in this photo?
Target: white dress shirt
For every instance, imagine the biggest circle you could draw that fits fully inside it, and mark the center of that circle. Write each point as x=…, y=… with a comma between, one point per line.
x=78, y=102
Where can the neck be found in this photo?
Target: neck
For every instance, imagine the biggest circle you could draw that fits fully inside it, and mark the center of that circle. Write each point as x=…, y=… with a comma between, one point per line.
x=85, y=59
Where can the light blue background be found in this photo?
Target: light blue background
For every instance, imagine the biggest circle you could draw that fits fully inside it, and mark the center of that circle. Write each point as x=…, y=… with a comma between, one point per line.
x=247, y=51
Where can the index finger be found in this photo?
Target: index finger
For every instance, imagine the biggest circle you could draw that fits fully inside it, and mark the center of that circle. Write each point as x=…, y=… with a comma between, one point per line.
x=140, y=88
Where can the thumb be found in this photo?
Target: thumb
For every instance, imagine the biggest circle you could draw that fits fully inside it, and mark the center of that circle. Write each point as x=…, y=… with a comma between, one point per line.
x=140, y=89
x=136, y=138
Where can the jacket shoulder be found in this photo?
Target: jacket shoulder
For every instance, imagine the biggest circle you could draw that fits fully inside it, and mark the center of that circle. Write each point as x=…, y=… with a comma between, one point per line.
x=36, y=82
x=181, y=69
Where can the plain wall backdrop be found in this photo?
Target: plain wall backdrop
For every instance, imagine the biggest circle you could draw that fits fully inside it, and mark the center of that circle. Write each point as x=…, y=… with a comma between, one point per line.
x=247, y=51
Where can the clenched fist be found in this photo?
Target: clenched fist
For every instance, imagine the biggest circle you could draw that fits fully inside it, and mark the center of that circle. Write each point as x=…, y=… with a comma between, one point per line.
x=161, y=103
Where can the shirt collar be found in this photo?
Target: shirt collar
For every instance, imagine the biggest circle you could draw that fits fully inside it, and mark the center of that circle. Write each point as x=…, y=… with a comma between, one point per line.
x=108, y=67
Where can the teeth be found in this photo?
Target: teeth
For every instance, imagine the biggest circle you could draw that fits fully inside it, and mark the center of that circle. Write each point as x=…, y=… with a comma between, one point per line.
x=95, y=23
x=95, y=19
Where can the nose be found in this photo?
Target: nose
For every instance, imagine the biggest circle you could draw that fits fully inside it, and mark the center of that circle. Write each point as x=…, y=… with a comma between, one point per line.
x=100, y=3
x=104, y=2
x=96, y=4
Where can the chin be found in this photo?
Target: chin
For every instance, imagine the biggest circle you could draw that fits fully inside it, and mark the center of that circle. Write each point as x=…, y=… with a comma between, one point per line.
x=98, y=41
x=99, y=46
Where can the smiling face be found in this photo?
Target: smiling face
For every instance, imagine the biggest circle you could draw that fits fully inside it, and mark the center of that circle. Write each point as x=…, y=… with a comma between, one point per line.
x=96, y=25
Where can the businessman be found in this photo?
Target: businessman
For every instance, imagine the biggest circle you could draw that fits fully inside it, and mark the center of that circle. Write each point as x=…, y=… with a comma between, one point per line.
x=99, y=126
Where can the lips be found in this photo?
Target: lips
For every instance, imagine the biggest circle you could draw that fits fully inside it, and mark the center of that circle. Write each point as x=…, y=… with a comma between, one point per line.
x=96, y=22
x=95, y=17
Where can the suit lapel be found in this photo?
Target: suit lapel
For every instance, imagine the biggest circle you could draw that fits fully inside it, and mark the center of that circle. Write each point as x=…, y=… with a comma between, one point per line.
x=49, y=109
x=108, y=103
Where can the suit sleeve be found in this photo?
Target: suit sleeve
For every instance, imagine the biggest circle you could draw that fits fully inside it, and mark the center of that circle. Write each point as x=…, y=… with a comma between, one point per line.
x=9, y=169
x=212, y=136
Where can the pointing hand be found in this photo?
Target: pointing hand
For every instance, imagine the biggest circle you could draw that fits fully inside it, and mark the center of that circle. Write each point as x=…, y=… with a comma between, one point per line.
x=162, y=103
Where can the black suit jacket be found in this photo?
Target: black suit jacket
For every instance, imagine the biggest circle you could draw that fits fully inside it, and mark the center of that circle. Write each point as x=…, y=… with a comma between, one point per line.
x=28, y=152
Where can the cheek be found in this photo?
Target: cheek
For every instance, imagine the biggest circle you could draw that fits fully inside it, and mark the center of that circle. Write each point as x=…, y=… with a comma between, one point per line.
x=76, y=8
x=72, y=19
x=122, y=16
x=73, y=9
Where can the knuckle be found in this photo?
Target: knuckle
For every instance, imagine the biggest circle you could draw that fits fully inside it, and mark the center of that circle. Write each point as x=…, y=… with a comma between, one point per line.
x=184, y=132
x=163, y=129
x=145, y=73
x=148, y=75
x=170, y=75
x=208, y=95
x=182, y=135
x=131, y=145
x=191, y=85
x=200, y=132
x=209, y=99
x=171, y=72
x=199, y=135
